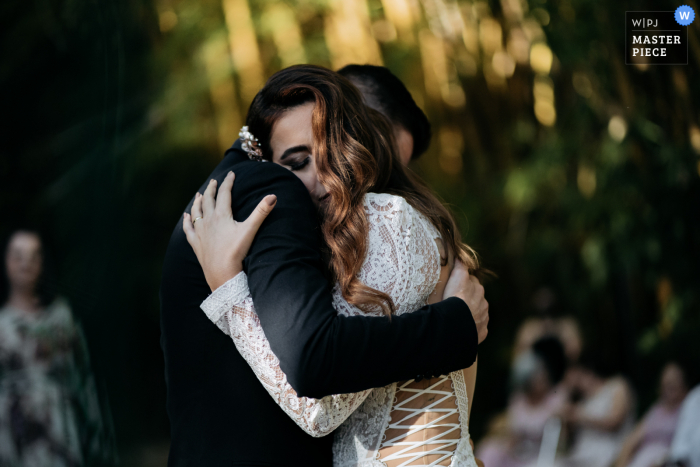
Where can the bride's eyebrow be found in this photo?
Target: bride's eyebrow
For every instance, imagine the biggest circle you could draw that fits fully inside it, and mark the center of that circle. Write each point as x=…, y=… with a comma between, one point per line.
x=294, y=150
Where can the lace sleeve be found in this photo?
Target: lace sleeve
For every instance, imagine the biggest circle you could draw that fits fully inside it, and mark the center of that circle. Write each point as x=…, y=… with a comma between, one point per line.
x=402, y=259
x=231, y=308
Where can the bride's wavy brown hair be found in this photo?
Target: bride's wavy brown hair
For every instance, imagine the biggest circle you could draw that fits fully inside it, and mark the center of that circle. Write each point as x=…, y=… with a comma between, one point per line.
x=355, y=154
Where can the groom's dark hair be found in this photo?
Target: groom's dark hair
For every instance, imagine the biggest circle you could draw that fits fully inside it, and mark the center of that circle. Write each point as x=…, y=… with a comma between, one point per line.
x=384, y=92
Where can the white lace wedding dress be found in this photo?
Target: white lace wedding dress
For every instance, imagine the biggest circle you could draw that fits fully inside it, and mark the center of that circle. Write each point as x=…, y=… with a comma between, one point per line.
x=403, y=261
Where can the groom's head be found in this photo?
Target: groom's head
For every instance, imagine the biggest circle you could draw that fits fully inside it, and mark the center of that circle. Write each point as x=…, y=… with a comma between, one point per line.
x=386, y=93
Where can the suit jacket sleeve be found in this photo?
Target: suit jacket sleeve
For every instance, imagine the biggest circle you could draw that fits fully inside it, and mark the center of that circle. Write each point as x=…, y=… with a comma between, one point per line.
x=321, y=352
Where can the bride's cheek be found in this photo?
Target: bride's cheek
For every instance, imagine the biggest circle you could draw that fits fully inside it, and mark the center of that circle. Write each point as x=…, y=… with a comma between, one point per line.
x=308, y=183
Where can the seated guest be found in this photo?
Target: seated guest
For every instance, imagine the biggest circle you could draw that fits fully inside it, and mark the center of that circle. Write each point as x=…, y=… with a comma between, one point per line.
x=603, y=419
x=685, y=449
x=566, y=329
x=548, y=321
x=537, y=398
x=649, y=443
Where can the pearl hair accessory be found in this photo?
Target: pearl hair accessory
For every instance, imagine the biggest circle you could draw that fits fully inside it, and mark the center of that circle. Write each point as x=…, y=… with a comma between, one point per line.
x=251, y=145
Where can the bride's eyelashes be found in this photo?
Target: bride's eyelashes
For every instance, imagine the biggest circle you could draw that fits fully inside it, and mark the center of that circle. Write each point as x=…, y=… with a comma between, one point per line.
x=295, y=166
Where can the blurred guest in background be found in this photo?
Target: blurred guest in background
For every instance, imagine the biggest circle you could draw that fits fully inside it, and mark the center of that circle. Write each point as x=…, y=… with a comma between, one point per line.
x=649, y=443
x=544, y=302
x=537, y=397
x=565, y=329
x=685, y=449
x=387, y=94
x=603, y=418
x=49, y=411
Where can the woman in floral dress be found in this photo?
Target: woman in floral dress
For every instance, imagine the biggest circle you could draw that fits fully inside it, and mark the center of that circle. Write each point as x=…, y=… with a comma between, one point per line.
x=49, y=411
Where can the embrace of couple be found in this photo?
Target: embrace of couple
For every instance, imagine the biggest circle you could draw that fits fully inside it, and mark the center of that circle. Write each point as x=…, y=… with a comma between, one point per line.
x=337, y=322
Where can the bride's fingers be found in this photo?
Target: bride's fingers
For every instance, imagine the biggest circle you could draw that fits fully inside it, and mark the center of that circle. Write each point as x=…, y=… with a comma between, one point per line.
x=197, y=208
x=223, y=199
x=259, y=214
x=208, y=199
x=189, y=229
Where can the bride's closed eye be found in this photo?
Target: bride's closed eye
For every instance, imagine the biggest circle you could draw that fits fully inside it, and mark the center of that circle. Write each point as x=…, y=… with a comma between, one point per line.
x=300, y=164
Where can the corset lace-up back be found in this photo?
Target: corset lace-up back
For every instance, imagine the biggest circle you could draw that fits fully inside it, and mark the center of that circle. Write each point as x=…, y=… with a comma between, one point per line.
x=410, y=423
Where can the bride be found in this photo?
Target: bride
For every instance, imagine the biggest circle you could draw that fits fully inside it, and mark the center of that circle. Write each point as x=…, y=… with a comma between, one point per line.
x=391, y=246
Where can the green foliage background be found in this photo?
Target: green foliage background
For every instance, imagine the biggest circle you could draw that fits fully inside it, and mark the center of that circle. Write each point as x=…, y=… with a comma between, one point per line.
x=112, y=121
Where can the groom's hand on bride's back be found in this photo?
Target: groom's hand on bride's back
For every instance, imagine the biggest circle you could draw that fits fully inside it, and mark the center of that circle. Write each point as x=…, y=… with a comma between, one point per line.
x=467, y=287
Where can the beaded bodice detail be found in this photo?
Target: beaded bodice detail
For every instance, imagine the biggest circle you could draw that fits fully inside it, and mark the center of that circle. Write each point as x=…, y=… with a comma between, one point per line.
x=403, y=261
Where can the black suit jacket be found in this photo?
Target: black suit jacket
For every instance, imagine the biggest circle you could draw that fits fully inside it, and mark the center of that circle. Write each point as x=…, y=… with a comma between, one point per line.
x=220, y=414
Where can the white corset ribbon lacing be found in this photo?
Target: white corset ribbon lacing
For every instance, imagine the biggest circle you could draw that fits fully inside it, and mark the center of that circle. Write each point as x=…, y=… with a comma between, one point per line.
x=438, y=441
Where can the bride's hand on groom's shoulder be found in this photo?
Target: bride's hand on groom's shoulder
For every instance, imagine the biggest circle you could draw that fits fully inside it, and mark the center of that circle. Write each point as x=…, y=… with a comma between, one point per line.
x=467, y=287
x=220, y=242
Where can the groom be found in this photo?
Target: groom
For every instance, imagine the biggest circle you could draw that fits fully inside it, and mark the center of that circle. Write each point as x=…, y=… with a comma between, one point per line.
x=387, y=94
x=220, y=414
